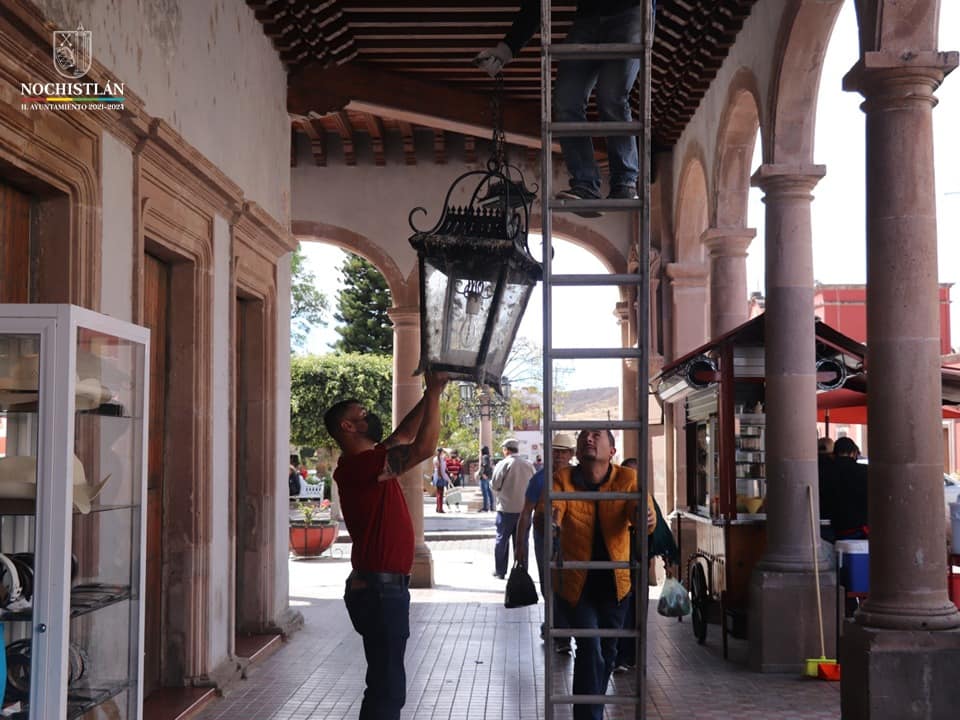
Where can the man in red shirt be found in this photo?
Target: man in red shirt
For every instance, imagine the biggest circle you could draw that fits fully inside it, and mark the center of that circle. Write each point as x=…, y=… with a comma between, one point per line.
x=377, y=592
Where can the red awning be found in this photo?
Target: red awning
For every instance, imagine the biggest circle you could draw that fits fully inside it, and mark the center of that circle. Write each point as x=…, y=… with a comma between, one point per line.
x=849, y=407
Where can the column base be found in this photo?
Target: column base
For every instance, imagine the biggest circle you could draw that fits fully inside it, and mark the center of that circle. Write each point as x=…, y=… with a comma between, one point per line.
x=421, y=575
x=783, y=630
x=899, y=674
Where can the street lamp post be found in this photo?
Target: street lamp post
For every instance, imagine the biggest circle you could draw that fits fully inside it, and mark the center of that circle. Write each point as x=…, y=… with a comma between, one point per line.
x=479, y=403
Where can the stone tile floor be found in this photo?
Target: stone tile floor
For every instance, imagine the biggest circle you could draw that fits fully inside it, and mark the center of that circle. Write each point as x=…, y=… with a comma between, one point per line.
x=469, y=657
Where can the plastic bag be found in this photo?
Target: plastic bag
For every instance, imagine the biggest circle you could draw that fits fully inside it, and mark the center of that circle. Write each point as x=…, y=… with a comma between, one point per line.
x=674, y=600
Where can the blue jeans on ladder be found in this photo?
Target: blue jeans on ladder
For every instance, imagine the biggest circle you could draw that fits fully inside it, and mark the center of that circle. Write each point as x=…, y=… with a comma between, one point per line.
x=595, y=656
x=613, y=79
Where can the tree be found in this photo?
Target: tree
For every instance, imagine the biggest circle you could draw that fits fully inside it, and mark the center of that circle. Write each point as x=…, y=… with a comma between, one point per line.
x=362, y=308
x=308, y=306
x=317, y=382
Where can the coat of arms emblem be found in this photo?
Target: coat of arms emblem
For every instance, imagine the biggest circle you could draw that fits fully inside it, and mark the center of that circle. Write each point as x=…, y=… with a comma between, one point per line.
x=72, y=52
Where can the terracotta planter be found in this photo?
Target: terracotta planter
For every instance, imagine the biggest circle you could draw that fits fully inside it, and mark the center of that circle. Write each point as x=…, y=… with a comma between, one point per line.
x=313, y=540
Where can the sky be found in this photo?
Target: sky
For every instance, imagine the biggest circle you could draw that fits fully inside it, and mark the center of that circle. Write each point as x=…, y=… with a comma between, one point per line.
x=584, y=316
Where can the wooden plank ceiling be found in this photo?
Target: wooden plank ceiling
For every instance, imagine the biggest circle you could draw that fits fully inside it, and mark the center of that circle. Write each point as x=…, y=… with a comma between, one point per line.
x=393, y=66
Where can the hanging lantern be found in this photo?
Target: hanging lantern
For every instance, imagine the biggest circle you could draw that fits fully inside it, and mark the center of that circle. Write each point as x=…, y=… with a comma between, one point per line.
x=476, y=271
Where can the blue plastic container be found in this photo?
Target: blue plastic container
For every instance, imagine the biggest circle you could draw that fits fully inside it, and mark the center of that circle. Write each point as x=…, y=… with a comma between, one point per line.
x=853, y=565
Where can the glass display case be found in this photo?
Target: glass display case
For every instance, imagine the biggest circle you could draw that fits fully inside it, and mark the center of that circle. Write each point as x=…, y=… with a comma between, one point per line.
x=750, y=462
x=72, y=516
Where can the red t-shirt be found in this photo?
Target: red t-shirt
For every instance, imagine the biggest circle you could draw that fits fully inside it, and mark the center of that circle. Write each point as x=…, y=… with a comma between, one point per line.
x=376, y=514
x=453, y=467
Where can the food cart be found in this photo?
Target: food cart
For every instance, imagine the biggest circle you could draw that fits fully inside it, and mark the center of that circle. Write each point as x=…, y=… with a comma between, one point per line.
x=720, y=520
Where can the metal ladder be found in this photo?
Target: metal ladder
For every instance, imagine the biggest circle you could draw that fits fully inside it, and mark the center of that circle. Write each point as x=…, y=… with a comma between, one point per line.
x=640, y=280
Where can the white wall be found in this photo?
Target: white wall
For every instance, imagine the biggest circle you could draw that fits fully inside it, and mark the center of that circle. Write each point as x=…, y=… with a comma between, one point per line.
x=116, y=258
x=207, y=69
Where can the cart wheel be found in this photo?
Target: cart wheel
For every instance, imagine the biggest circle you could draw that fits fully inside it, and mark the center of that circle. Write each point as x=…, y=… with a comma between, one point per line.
x=698, y=601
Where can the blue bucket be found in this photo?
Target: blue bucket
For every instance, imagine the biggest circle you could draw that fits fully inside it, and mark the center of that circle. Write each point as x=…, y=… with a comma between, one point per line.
x=853, y=566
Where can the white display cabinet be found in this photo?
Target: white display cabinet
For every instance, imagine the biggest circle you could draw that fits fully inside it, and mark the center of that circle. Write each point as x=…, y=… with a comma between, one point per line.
x=73, y=422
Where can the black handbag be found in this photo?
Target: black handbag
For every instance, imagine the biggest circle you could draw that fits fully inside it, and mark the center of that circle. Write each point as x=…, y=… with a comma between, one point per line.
x=520, y=590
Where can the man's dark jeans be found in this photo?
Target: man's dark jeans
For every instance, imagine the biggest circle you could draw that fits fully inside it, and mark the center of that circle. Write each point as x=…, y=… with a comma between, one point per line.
x=595, y=656
x=380, y=612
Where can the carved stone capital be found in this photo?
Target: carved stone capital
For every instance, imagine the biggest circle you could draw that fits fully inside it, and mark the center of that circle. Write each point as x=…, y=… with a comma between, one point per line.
x=785, y=180
x=888, y=79
x=687, y=274
x=728, y=242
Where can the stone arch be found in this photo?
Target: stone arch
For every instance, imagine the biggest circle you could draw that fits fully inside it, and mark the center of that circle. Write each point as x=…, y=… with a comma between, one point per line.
x=597, y=243
x=736, y=140
x=804, y=36
x=403, y=290
x=693, y=208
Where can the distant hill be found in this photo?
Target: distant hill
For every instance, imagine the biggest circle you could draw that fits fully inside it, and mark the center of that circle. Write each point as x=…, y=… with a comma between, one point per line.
x=589, y=404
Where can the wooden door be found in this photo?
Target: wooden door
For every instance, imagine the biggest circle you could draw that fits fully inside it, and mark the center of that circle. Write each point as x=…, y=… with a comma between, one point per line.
x=14, y=245
x=156, y=303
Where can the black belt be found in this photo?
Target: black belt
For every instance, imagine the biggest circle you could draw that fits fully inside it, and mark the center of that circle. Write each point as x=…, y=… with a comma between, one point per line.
x=379, y=578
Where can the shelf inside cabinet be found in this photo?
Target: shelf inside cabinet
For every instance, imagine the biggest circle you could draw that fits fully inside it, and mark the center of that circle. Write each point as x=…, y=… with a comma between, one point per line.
x=81, y=700
x=84, y=599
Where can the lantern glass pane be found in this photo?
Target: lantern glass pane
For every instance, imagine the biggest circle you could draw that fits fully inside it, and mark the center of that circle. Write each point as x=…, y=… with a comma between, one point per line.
x=510, y=312
x=457, y=312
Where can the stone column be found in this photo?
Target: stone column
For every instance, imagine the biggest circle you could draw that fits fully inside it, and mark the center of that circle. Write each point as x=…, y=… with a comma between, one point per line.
x=728, y=276
x=688, y=290
x=625, y=312
x=905, y=650
x=407, y=391
x=782, y=584
x=688, y=286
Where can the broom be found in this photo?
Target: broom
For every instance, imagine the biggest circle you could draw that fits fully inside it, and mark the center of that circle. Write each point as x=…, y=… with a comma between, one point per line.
x=822, y=666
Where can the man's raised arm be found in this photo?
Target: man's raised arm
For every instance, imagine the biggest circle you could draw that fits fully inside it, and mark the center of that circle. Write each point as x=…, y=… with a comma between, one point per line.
x=401, y=458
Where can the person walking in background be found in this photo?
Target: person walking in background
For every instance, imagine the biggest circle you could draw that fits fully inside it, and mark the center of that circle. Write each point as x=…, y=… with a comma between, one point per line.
x=598, y=531
x=509, y=483
x=596, y=21
x=377, y=592
x=562, y=449
x=486, y=474
x=441, y=478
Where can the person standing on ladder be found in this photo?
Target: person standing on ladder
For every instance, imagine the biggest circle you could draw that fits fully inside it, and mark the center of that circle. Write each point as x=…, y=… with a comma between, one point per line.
x=597, y=531
x=596, y=21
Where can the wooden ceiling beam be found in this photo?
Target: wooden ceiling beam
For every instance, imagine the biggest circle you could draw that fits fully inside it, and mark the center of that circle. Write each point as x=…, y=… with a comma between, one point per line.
x=313, y=128
x=439, y=147
x=409, y=143
x=342, y=121
x=375, y=128
x=392, y=95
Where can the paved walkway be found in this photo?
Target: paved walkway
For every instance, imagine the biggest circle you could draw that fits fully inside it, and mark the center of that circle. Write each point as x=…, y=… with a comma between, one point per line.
x=470, y=658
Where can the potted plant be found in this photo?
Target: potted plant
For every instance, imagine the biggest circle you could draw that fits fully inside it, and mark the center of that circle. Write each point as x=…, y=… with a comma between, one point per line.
x=311, y=536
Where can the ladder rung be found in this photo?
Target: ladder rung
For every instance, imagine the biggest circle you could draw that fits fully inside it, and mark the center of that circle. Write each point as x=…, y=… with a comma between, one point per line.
x=594, y=699
x=594, y=51
x=593, y=564
x=596, y=425
x=597, y=279
x=594, y=495
x=622, y=353
x=594, y=632
x=600, y=128
x=600, y=204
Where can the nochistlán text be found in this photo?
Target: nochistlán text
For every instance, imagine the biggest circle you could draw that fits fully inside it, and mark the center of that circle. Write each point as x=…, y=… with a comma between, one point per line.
x=65, y=89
